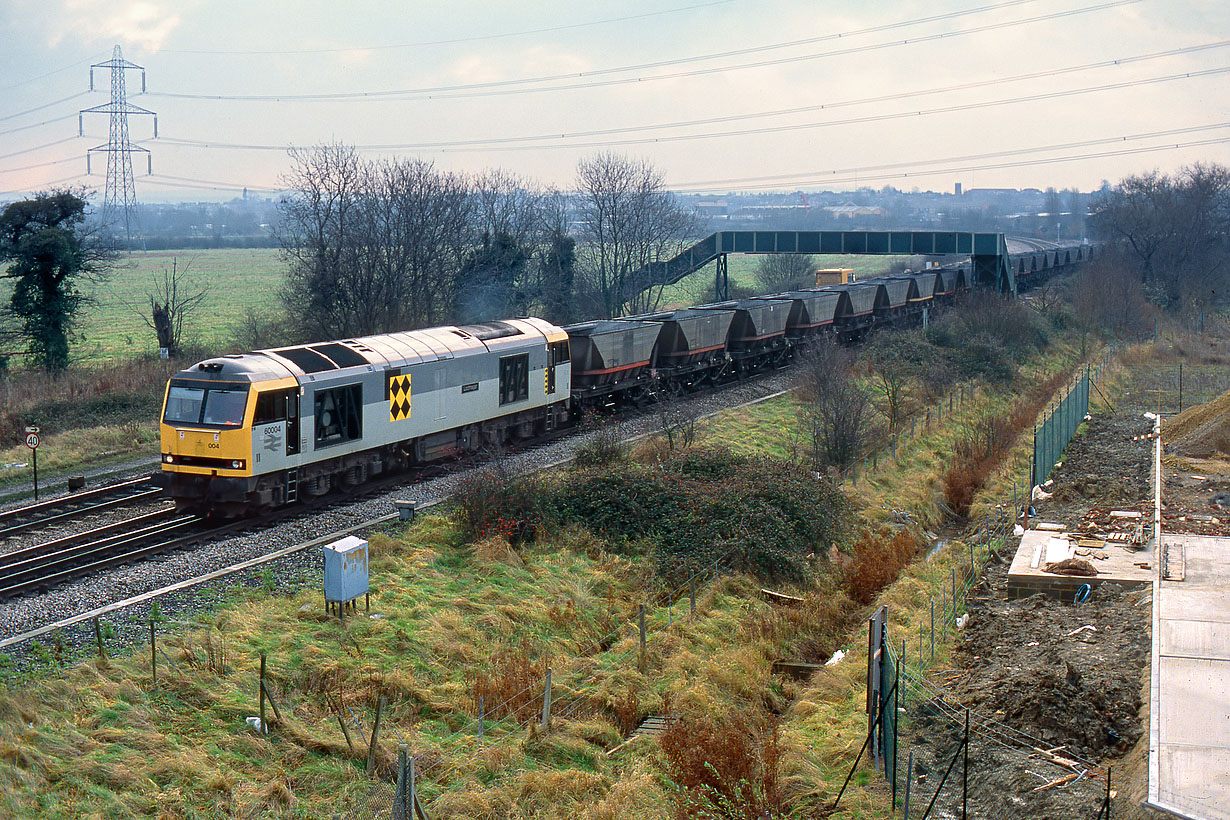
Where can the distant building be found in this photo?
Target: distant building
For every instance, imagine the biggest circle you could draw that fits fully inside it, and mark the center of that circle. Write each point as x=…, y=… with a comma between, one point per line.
x=850, y=211
x=713, y=207
x=957, y=189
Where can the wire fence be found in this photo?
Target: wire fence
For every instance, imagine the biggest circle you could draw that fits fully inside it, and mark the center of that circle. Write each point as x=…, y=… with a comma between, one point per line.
x=918, y=423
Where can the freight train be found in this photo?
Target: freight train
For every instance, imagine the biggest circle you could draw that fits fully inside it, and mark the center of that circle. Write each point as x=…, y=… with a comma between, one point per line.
x=255, y=431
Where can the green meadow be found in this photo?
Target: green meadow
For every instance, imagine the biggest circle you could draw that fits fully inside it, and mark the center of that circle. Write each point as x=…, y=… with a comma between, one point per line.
x=238, y=279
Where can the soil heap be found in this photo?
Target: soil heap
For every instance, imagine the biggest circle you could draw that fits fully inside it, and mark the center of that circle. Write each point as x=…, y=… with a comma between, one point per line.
x=1202, y=431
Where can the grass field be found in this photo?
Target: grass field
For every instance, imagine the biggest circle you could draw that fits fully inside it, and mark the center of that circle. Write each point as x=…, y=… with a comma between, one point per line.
x=238, y=279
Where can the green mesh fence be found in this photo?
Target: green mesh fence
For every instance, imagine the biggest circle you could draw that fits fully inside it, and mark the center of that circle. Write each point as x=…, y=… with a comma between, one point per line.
x=1057, y=428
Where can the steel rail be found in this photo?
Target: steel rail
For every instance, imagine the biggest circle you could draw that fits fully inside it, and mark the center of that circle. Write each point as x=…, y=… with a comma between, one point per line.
x=118, y=548
x=40, y=520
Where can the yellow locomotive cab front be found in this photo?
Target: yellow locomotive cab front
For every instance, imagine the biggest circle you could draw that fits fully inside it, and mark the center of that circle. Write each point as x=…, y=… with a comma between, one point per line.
x=207, y=440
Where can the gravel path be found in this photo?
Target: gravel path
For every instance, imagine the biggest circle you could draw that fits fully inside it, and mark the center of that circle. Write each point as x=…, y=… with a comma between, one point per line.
x=288, y=574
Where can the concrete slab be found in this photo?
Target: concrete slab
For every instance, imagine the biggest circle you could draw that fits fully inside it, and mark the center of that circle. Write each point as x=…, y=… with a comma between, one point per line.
x=1039, y=547
x=1189, y=746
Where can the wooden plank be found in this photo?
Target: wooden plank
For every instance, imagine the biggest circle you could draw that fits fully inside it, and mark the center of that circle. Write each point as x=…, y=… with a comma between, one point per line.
x=781, y=597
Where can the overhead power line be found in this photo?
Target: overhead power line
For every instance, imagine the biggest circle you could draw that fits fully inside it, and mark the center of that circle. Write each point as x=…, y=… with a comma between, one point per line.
x=17, y=114
x=948, y=109
x=503, y=87
x=39, y=165
x=45, y=186
x=36, y=124
x=452, y=40
x=42, y=76
x=1038, y=149
x=857, y=179
x=854, y=175
x=201, y=184
x=37, y=147
x=726, y=118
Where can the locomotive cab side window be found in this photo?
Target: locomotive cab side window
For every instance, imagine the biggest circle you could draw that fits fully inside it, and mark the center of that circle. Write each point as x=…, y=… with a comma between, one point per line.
x=514, y=378
x=270, y=406
x=339, y=414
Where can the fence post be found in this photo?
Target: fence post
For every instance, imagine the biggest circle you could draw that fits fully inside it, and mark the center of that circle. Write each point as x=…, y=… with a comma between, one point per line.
x=640, y=619
x=692, y=594
x=965, y=770
x=933, y=630
x=153, y=652
x=546, y=703
x=371, y=747
x=341, y=722
x=399, y=796
x=261, y=692
x=413, y=802
x=896, y=697
x=909, y=776
x=98, y=637
x=481, y=719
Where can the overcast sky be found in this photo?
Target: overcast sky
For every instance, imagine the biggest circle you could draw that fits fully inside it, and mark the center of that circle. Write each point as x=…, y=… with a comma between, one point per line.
x=721, y=95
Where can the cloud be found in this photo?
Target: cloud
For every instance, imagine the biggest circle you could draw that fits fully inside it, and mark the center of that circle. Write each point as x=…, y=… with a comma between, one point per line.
x=142, y=25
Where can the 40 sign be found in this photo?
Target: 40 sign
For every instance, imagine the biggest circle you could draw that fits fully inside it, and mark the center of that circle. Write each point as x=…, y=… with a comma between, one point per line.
x=32, y=443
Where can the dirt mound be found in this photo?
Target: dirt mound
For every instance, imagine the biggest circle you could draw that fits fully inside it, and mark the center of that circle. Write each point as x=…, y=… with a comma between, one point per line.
x=1067, y=675
x=1202, y=431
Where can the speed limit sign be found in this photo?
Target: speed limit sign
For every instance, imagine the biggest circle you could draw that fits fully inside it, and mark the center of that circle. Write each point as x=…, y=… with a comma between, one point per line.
x=32, y=440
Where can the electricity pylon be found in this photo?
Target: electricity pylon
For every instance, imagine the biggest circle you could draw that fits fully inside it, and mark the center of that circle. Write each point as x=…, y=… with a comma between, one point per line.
x=121, y=191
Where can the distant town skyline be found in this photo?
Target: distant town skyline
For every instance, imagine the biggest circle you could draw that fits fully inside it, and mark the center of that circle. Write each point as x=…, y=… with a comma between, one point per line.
x=721, y=95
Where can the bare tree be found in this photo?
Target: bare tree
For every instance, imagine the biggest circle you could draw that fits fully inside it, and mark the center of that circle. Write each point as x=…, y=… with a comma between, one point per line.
x=496, y=278
x=320, y=234
x=557, y=258
x=1177, y=229
x=776, y=272
x=891, y=367
x=172, y=301
x=371, y=247
x=629, y=221
x=835, y=411
x=677, y=419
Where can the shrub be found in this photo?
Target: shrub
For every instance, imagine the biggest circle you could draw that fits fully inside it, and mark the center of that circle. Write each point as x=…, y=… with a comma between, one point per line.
x=493, y=503
x=602, y=446
x=876, y=561
x=758, y=515
x=513, y=685
x=620, y=506
x=723, y=766
x=706, y=463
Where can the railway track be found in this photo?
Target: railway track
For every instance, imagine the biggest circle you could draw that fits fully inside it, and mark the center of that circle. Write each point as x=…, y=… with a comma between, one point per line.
x=66, y=508
x=51, y=563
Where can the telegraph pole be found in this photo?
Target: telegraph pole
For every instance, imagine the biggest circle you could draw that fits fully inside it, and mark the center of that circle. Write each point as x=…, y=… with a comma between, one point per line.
x=121, y=191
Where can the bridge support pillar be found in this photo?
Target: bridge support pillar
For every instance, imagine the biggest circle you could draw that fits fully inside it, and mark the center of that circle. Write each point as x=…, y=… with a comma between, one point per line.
x=721, y=280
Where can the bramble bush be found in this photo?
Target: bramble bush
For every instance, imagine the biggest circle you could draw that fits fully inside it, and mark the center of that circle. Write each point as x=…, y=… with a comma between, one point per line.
x=492, y=502
x=759, y=515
